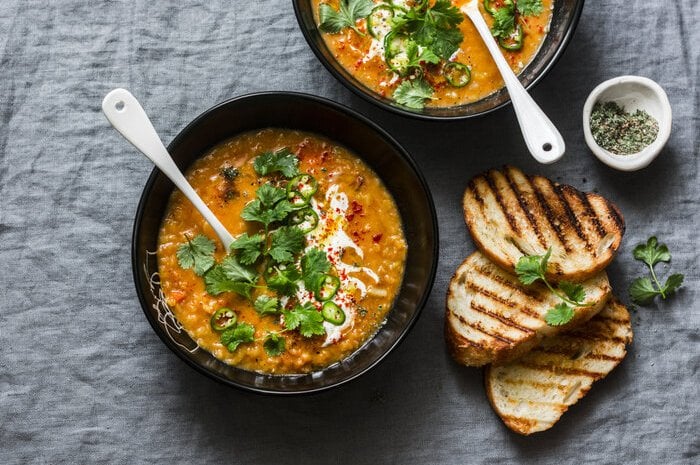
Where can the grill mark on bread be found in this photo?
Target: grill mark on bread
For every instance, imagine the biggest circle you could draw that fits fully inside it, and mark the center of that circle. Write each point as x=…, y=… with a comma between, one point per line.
x=475, y=193
x=502, y=300
x=549, y=214
x=478, y=327
x=522, y=201
x=588, y=208
x=505, y=321
x=561, y=370
x=614, y=214
x=492, y=187
x=568, y=353
x=596, y=337
x=506, y=283
x=559, y=190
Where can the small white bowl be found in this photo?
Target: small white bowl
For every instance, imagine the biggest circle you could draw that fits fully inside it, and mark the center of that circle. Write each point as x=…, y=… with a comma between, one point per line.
x=631, y=93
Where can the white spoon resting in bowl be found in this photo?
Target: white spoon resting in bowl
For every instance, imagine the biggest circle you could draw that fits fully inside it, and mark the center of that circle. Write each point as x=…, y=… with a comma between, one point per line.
x=127, y=116
x=541, y=136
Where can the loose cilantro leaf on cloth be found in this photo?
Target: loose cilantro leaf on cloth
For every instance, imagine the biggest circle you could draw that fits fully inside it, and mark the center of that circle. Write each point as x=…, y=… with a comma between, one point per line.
x=533, y=268
x=413, y=93
x=239, y=334
x=286, y=242
x=248, y=248
x=314, y=264
x=197, y=253
x=230, y=276
x=643, y=290
x=284, y=280
x=559, y=315
x=529, y=7
x=306, y=318
x=274, y=344
x=283, y=161
x=347, y=15
x=266, y=305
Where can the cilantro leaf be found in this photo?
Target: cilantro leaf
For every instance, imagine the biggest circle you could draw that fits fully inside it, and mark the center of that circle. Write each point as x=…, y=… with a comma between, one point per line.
x=283, y=161
x=531, y=268
x=248, y=247
x=652, y=253
x=274, y=344
x=434, y=28
x=230, y=276
x=416, y=56
x=286, y=242
x=413, y=93
x=257, y=211
x=284, y=280
x=306, y=318
x=348, y=13
x=529, y=7
x=503, y=22
x=673, y=282
x=314, y=264
x=269, y=195
x=197, y=253
x=573, y=291
x=266, y=305
x=239, y=334
x=642, y=291
x=559, y=315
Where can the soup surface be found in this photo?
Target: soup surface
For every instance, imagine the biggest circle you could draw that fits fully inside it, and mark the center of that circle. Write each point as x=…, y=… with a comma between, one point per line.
x=317, y=263
x=385, y=60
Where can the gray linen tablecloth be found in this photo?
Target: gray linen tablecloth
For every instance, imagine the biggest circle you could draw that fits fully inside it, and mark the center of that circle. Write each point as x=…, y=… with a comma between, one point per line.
x=83, y=378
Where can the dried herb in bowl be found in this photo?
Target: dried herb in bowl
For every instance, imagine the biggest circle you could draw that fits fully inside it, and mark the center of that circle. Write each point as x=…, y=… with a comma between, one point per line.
x=620, y=132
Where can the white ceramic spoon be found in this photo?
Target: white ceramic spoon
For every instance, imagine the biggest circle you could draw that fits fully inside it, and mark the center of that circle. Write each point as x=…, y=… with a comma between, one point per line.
x=541, y=136
x=127, y=116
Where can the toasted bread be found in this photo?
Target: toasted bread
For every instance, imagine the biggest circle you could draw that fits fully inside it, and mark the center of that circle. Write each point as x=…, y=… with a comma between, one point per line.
x=510, y=215
x=492, y=317
x=533, y=392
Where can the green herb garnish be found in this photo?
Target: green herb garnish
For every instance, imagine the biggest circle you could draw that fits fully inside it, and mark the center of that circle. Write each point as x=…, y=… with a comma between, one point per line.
x=274, y=344
x=533, y=268
x=237, y=335
x=529, y=7
x=347, y=15
x=306, y=318
x=197, y=253
x=413, y=94
x=643, y=290
x=266, y=305
x=283, y=161
x=505, y=19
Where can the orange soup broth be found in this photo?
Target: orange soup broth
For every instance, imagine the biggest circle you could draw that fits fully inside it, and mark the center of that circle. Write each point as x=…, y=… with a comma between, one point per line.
x=373, y=223
x=351, y=51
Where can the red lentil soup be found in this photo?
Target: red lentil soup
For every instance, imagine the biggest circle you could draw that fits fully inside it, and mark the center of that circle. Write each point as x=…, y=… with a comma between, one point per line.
x=368, y=57
x=352, y=223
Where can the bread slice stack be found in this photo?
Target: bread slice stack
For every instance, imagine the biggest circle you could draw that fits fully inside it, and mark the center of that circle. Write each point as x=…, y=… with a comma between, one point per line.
x=493, y=319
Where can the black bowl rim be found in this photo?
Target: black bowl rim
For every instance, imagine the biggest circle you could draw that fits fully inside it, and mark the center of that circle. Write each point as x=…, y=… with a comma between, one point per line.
x=570, y=30
x=140, y=211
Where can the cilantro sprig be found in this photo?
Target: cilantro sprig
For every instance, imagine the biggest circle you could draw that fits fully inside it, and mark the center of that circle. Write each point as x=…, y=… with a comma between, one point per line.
x=533, y=268
x=413, y=94
x=196, y=254
x=643, y=290
x=347, y=15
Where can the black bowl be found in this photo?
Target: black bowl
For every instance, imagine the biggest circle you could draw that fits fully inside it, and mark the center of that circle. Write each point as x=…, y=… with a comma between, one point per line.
x=564, y=20
x=377, y=148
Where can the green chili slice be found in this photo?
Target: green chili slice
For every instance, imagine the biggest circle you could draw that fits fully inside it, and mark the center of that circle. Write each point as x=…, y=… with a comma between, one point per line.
x=333, y=314
x=457, y=74
x=379, y=21
x=395, y=52
x=491, y=8
x=327, y=288
x=514, y=41
x=223, y=319
x=300, y=189
x=305, y=219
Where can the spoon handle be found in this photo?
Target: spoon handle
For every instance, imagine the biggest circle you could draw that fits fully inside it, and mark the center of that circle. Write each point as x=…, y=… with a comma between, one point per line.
x=541, y=136
x=125, y=113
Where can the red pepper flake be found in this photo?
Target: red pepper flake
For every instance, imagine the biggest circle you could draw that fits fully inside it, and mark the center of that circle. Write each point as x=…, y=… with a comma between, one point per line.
x=356, y=210
x=377, y=237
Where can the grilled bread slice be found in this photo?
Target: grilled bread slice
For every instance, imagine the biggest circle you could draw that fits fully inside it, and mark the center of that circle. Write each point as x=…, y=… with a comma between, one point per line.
x=532, y=393
x=510, y=215
x=492, y=317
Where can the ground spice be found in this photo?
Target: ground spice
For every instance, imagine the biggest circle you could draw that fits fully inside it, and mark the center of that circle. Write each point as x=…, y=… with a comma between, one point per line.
x=620, y=132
